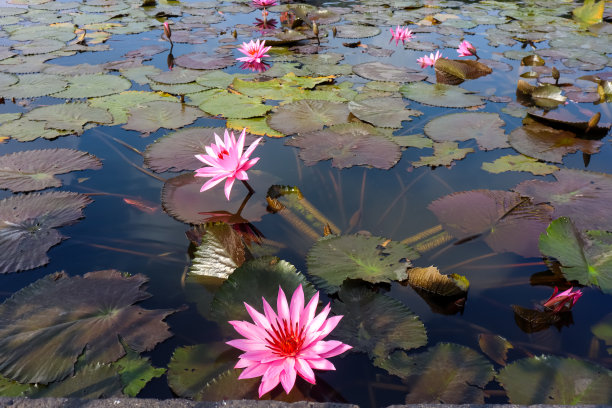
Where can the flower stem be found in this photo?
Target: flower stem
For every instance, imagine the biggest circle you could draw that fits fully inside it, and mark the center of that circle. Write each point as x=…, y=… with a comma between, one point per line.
x=248, y=186
x=246, y=200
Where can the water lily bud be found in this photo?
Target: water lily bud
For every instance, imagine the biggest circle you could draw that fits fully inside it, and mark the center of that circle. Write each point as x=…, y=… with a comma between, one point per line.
x=235, y=34
x=555, y=74
x=593, y=122
x=315, y=28
x=167, y=31
x=334, y=31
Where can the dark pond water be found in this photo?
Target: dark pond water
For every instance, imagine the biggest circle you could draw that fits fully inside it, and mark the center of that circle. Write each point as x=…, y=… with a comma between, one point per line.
x=415, y=340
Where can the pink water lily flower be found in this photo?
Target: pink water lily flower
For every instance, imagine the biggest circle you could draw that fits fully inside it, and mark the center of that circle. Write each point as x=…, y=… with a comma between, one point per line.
x=226, y=160
x=402, y=34
x=466, y=49
x=426, y=61
x=254, y=51
x=564, y=300
x=264, y=3
x=278, y=347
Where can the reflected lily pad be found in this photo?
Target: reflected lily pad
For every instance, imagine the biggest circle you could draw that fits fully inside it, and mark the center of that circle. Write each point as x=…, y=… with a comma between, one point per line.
x=307, y=115
x=383, y=112
x=98, y=310
x=584, y=257
x=348, y=145
x=27, y=227
x=519, y=162
x=448, y=96
x=373, y=259
x=556, y=380
x=378, y=71
x=376, y=324
x=152, y=116
x=445, y=153
x=35, y=169
x=444, y=374
x=485, y=127
x=508, y=222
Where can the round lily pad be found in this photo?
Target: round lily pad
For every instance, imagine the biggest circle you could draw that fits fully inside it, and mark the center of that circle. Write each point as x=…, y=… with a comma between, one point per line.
x=448, y=96
x=356, y=31
x=519, y=162
x=89, y=86
x=485, y=127
x=386, y=112
x=234, y=106
x=445, y=154
x=378, y=71
x=151, y=116
x=35, y=85
x=120, y=104
x=69, y=116
x=307, y=115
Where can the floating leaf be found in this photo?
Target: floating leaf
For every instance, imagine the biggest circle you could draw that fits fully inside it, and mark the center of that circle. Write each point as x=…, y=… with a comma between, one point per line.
x=151, y=116
x=120, y=104
x=136, y=372
x=234, y=106
x=451, y=72
x=97, y=308
x=334, y=259
x=585, y=258
x=532, y=321
x=34, y=85
x=90, y=86
x=10, y=388
x=485, y=127
x=176, y=76
x=431, y=280
x=583, y=196
x=254, y=126
x=90, y=382
x=520, y=162
x=221, y=251
x=445, y=153
x=27, y=227
x=348, y=145
x=217, y=79
x=556, y=380
x=419, y=141
x=260, y=277
x=376, y=324
x=449, y=96
x=509, y=222
x=444, y=374
x=69, y=116
x=35, y=169
x=495, y=347
x=590, y=12
x=378, y=71
x=356, y=31
x=546, y=143
x=307, y=115
x=201, y=60
x=26, y=130
x=383, y=112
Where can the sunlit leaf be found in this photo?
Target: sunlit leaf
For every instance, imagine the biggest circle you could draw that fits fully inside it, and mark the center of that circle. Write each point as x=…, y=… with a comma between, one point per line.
x=69, y=116
x=234, y=106
x=307, y=115
x=431, y=280
x=378, y=71
x=520, y=162
x=449, y=96
x=448, y=71
x=444, y=374
x=348, y=145
x=556, y=380
x=445, y=153
x=334, y=259
x=419, y=141
x=221, y=251
x=26, y=130
x=590, y=12
x=89, y=86
x=586, y=258
x=495, y=347
x=120, y=104
x=89, y=382
x=35, y=169
x=507, y=221
x=176, y=76
x=485, y=127
x=47, y=325
x=151, y=116
x=383, y=112
x=376, y=324
x=254, y=126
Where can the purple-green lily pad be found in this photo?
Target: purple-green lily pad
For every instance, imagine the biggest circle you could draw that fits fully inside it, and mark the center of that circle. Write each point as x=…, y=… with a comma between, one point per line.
x=71, y=117
x=385, y=112
x=202, y=60
x=157, y=114
x=379, y=71
x=307, y=115
x=356, y=31
x=485, y=127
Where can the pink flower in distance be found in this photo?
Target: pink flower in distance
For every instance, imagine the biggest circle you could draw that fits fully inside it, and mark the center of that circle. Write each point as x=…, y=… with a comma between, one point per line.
x=429, y=61
x=264, y=3
x=466, y=49
x=278, y=347
x=566, y=299
x=254, y=51
x=167, y=31
x=402, y=34
x=226, y=160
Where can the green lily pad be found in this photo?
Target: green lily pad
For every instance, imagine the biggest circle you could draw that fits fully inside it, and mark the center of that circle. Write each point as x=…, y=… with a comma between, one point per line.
x=178, y=89
x=334, y=259
x=140, y=75
x=590, y=12
x=519, y=162
x=350, y=144
x=217, y=79
x=485, y=127
x=90, y=382
x=151, y=116
x=445, y=153
x=507, y=221
x=61, y=32
x=10, y=388
x=287, y=88
x=34, y=85
x=39, y=46
x=97, y=308
x=176, y=76
x=376, y=324
x=120, y=104
x=585, y=258
x=307, y=115
x=383, y=112
x=28, y=227
x=35, y=169
x=220, y=253
x=253, y=126
x=136, y=372
x=356, y=31
x=26, y=130
x=378, y=71
x=234, y=106
x=556, y=380
x=418, y=140
x=603, y=331
x=71, y=117
x=260, y=277
x=448, y=96
x=444, y=374
x=90, y=86
x=580, y=195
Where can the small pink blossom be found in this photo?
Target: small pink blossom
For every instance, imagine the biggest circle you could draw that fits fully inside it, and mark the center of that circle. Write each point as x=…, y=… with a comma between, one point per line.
x=564, y=300
x=402, y=34
x=466, y=49
x=254, y=51
x=426, y=61
x=278, y=347
x=264, y=3
x=226, y=160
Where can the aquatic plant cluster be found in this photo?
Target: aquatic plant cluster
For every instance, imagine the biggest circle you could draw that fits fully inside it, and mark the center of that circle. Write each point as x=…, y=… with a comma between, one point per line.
x=323, y=113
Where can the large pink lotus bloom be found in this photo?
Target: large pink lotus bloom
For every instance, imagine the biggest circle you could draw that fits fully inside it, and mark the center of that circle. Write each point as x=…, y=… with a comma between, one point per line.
x=278, y=347
x=264, y=3
x=466, y=49
x=402, y=34
x=254, y=51
x=226, y=161
x=564, y=300
x=429, y=61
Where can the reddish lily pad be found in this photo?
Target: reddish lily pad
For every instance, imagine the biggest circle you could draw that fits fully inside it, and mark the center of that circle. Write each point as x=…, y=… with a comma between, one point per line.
x=378, y=71
x=583, y=196
x=28, y=225
x=35, y=169
x=348, y=145
x=157, y=114
x=508, y=222
x=485, y=127
x=201, y=60
x=98, y=311
x=307, y=115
